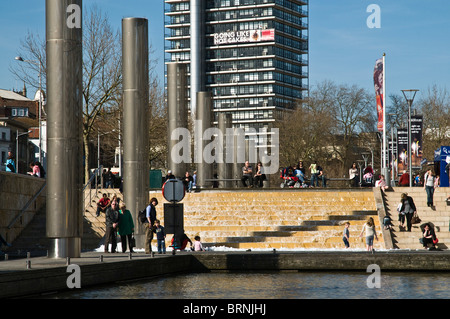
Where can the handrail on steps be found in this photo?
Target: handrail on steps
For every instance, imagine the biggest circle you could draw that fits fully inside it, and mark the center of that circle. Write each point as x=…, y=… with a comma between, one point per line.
x=31, y=201
x=94, y=175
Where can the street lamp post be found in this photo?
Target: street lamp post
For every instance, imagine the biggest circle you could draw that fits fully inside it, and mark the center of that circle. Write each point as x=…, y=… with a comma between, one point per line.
x=409, y=96
x=392, y=118
x=18, y=58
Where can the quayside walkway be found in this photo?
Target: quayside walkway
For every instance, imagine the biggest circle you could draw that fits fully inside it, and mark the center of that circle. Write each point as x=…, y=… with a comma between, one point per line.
x=38, y=275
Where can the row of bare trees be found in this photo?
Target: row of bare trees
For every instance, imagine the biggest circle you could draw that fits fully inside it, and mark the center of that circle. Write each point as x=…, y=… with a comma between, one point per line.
x=337, y=124
x=333, y=126
x=102, y=87
x=330, y=127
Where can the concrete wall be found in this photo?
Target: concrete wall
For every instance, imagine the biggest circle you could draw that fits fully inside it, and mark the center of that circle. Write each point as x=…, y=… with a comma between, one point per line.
x=16, y=190
x=50, y=275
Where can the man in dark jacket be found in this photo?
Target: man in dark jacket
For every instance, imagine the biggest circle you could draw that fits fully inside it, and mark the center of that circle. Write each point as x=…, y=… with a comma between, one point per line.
x=112, y=221
x=151, y=217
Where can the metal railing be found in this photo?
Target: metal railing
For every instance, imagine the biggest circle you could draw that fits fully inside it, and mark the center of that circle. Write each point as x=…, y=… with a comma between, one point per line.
x=95, y=175
x=31, y=201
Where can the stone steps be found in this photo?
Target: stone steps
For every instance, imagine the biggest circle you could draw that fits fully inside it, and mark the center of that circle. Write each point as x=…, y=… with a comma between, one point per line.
x=439, y=216
x=94, y=227
x=293, y=246
x=274, y=219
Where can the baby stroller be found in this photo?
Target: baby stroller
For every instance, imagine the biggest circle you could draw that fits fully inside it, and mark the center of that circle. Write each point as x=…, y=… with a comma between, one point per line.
x=368, y=177
x=289, y=180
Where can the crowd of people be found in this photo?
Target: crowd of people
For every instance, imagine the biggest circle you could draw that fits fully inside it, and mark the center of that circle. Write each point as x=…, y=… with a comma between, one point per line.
x=295, y=176
x=407, y=212
x=119, y=222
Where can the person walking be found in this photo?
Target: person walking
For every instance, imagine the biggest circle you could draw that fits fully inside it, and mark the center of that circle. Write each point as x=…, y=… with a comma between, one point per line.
x=370, y=232
x=346, y=235
x=429, y=186
x=112, y=222
x=401, y=217
x=151, y=217
x=408, y=208
x=126, y=228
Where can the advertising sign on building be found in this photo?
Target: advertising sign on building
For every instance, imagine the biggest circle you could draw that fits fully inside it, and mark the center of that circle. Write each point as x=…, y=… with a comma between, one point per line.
x=244, y=36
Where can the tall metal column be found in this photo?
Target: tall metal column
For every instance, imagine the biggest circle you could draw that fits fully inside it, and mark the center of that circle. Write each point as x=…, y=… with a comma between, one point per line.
x=64, y=225
x=197, y=52
x=225, y=169
x=177, y=112
x=135, y=116
x=239, y=154
x=204, y=116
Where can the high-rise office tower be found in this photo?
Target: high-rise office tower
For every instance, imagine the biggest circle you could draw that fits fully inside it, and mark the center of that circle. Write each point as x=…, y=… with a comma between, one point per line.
x=251, y=54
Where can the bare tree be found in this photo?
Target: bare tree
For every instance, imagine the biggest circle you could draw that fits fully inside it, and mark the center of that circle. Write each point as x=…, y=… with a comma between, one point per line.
x=102, y=71
x=32, y=51
x=354, y=113
x=328, y=127
x=435, y=107
x=109, y=121
x=157, y=126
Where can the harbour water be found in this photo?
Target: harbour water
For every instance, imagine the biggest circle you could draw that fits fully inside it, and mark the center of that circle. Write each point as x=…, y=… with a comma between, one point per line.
x=275, y=285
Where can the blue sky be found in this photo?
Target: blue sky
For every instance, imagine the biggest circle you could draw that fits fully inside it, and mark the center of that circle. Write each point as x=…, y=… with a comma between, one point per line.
x=413, y=34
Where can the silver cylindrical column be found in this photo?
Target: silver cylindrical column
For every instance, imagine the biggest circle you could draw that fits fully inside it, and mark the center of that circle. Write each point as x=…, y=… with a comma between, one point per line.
x=225, y=169
x=204, y=119
x=197, y=52
x=177, y=116
x=64, y=223
x=135, y=117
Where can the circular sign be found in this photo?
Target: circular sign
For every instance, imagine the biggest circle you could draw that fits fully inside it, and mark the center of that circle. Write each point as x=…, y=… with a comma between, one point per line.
x=173, y=190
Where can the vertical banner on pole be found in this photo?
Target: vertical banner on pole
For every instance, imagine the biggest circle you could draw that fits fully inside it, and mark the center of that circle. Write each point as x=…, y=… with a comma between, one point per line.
x=402, y=150
x=416, y=140
x=378, y=79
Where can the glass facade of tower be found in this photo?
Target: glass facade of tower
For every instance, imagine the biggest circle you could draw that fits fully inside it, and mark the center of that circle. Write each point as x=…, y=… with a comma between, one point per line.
x=254, y=54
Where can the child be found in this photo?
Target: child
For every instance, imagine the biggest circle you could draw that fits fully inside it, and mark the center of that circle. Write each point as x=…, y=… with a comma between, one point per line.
x=387, y=222
x=346, y=235
x=401, y=217
x=160, y=236
x=197, y=244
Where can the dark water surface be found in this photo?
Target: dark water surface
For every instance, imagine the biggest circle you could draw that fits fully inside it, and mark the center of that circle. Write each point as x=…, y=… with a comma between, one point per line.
x=276, y=285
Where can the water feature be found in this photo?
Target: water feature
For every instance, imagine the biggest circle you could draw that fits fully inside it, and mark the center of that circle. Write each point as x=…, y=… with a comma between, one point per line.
x=274, y=285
